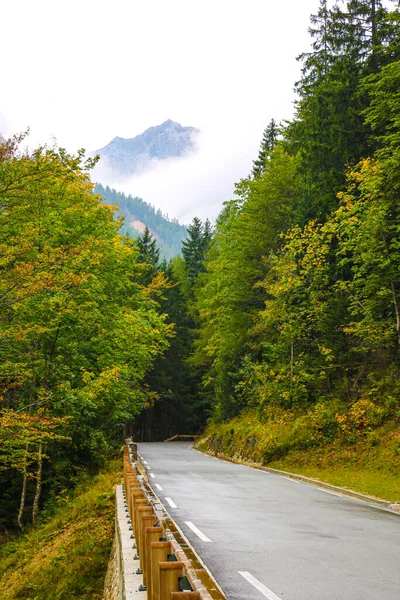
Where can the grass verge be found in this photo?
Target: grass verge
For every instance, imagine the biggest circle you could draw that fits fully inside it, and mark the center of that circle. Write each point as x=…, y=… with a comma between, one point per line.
x=369, y=463
x=66, y=558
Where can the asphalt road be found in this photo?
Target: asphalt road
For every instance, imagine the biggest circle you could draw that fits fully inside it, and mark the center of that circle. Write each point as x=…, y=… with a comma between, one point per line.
x=273, y=537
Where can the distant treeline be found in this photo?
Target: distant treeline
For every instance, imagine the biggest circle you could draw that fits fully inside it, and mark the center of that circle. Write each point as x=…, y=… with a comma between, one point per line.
x=169, y=233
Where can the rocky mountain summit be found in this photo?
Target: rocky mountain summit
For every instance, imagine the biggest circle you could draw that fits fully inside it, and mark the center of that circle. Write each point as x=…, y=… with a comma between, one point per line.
x=132, y=155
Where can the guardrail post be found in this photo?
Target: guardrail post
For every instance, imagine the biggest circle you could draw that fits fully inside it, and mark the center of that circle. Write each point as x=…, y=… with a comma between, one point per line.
x=141, y=512
x=133, y=450
x=151, y=534
x=145, y=521
x=129, y=485
x=136, y=494
x=138, y=502
x=169, y=576
x=158, y=553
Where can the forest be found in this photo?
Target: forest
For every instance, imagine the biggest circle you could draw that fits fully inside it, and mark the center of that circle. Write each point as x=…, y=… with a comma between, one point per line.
x=287, y=309
x=168, y=232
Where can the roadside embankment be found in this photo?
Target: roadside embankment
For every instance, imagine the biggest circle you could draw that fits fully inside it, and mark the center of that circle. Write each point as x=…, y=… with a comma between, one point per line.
x=66, y=558
x=351, y=453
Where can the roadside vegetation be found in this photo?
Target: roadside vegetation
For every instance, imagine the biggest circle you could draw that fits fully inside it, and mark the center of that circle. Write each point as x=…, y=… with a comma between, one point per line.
x=355, y=448
x=66, y=557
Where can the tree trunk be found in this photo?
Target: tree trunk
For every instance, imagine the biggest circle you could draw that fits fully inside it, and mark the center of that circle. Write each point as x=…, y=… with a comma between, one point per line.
x=373, y=25
x=23, y=492
x=35, y=508
x=291, y=359
x=397, y=312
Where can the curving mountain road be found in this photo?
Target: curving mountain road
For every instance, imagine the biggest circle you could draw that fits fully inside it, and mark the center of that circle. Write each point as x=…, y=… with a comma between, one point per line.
x=263, y=535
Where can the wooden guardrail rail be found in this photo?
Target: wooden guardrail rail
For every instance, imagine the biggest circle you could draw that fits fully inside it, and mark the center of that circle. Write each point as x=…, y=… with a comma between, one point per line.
x=170, y=568
x=179, y=436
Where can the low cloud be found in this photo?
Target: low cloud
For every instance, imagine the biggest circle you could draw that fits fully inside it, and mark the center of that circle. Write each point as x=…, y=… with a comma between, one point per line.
x=196, y=184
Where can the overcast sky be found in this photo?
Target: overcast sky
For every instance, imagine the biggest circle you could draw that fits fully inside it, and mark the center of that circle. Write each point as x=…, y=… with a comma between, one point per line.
x=89, y=70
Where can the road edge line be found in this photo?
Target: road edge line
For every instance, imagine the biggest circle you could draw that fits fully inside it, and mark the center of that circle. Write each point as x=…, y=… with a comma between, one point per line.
x=376, y=502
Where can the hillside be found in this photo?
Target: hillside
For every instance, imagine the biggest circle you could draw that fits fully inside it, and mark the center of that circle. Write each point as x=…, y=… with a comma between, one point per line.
x=130, y=155
x=66, y=557
x=362, y=455
x=139, y=214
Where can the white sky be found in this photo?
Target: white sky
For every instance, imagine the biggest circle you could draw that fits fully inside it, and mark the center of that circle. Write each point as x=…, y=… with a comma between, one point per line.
x=89, y=70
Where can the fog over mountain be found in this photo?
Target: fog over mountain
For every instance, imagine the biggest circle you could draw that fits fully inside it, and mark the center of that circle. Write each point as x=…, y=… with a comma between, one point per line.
x=197, y=182
x=133, y=155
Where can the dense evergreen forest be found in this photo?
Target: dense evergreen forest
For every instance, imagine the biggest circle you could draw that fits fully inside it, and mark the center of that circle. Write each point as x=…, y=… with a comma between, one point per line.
x=289, y=305
x=296, y=307
x=169, y=233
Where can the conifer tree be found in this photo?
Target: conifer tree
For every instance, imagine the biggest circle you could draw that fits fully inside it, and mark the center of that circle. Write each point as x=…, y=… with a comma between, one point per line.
x=148, y=250
x=195, y=246
x=268, y=143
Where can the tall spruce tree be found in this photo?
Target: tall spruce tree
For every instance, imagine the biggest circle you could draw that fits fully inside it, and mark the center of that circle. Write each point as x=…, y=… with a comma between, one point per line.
x=195, y=246
x=268, y=143
x=328, y=128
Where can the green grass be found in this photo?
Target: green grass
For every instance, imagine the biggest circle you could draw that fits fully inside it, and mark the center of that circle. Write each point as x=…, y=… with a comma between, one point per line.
x=368, y=462
x=66, y=558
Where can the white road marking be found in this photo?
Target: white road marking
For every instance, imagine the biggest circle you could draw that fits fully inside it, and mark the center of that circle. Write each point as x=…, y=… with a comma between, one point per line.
x=148, y=467
x=197, y=531
x=171, y=503
x=259, y=586
x=329, y=492
x=145, y=462
x=291, y=479
x=152, y=475
x=158, y=486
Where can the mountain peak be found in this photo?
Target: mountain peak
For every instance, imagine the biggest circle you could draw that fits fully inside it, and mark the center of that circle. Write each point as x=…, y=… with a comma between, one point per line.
x=170, y=122
x=130, y=155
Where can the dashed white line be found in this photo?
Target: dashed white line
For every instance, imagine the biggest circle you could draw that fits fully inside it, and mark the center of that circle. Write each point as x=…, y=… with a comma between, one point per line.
x=158, y=486
x=171, y=503
x=148, y=467
x=152, y=475
x=145, y=462
x=197, y=531
x=259, y=586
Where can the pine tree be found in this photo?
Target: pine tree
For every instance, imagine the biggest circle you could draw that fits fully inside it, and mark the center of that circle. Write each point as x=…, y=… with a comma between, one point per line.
x=194, y=247
x=268, y=143
x=329, y=128
x=148, y=250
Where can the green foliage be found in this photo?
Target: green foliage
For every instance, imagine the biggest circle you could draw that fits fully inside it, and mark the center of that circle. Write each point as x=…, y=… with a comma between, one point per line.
x=67, y=557
x=227, y=299
x=329, y=442
x=195, y=247
x=79, y=327
x=348, y=44
x=268, y=143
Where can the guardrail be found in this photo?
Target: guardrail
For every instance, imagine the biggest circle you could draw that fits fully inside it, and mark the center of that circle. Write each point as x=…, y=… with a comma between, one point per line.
x=169, y=567
x=179, y=437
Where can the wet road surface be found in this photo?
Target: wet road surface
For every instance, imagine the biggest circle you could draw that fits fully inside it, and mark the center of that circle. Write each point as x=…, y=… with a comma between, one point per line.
x=263, y=535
